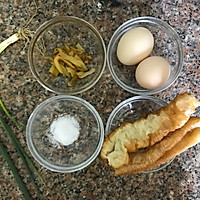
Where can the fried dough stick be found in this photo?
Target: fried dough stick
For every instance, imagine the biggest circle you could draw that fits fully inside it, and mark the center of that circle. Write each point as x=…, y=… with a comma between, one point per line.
x=141, y=160
x=189, y=140
x=130, y=137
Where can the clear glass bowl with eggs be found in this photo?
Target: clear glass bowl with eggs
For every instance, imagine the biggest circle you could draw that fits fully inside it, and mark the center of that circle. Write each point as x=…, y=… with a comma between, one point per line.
x=131, y=110
x=159, y=55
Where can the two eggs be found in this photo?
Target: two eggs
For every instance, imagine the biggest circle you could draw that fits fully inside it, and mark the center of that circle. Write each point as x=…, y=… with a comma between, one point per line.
x=134, y=48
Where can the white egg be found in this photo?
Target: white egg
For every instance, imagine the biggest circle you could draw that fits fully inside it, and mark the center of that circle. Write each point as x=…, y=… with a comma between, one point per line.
x=135, y=45
x=152, y=72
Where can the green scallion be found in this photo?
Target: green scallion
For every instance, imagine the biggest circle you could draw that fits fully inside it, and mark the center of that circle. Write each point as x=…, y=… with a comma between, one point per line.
x=9, y=116
x=15, y=172
x=20, y=151
x=22, y=34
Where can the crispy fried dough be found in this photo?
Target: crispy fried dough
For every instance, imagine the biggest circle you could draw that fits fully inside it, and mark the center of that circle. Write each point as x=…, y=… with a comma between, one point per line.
x=189, y=140
x=143, y=160
x=129, y=137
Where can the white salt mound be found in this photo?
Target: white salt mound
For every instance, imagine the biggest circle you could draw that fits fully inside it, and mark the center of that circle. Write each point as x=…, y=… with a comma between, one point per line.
x=65, y=130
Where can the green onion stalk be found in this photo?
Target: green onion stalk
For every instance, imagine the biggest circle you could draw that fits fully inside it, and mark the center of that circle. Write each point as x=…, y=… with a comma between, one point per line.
x=25, y=158
x=23, y=34
x=15, y=172
x=9, y=116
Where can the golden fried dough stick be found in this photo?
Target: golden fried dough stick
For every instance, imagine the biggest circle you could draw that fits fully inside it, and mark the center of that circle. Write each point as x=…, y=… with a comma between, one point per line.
x=189, y=140
x=131, y=136
x=141, y=160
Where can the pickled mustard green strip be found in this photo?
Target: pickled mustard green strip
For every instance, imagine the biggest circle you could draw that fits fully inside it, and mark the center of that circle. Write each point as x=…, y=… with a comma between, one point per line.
x=66, y=48
x=70, y=61
x=71, y=71
x=54, y=71
x=60, y=67
x=78, y=63
x=84, y=74
x=69, y=64
x=78, y=46
x=49, y=58
x=73, y=81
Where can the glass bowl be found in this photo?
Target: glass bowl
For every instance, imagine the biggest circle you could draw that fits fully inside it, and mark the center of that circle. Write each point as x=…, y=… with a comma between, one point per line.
x=133, y=109
x=54, y=34
x=166, y=44
x=64, y=158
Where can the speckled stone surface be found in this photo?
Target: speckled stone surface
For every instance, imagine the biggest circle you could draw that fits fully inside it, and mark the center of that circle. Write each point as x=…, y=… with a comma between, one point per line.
x=21, y=93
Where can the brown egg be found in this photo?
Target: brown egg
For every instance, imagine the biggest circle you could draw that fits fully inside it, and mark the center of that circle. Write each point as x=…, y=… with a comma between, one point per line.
x=135, y=45
x=152, y=72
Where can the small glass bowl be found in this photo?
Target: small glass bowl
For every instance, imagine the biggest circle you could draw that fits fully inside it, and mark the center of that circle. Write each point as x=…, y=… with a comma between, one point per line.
x=53, y=34
x=166, y=44
x=133, y=109
x=72, y=157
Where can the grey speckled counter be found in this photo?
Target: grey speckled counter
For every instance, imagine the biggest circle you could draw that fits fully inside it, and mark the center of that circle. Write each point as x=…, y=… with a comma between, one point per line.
x=21, y=93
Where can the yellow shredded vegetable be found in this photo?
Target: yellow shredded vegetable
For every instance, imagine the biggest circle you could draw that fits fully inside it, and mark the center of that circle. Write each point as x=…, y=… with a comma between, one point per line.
x=70, y=61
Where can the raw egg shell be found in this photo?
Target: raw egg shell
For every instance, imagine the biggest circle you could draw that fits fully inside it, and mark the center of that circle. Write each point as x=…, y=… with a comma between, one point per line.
x=135, y=45
x=152, y=72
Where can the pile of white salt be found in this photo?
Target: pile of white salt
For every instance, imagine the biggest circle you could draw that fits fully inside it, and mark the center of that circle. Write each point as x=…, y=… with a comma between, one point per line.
x=64, y=130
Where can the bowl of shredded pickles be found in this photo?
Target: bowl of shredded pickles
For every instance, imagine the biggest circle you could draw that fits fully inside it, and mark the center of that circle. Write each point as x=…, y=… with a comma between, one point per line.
x=64, y=133
x=67, y=55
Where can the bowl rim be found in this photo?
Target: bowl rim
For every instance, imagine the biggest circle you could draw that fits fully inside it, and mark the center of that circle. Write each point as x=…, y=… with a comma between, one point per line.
x=127, y=101
x=47, y=24
x=54, y=167
x=153, y=20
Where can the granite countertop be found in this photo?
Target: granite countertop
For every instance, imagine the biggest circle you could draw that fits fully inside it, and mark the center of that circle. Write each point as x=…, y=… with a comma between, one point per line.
x=21, y=93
